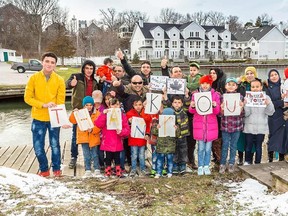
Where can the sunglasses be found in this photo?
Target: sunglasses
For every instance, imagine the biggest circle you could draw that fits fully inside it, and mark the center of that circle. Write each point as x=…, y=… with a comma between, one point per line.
x=135, y=83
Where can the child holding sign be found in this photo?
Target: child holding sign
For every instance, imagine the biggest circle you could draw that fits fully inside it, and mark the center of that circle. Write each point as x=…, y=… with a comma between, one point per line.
x=205, y=126
x=112, y=140
x=89, y=139
x=139, y=136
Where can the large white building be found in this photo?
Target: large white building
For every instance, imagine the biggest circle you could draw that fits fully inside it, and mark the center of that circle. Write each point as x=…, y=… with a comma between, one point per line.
x=193, y=41
x=190, y=40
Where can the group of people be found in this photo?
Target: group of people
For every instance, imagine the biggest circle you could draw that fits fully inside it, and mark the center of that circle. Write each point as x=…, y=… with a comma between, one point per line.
x=109, y=151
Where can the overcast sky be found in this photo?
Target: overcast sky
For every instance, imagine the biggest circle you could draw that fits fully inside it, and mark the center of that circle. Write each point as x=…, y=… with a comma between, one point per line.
x=246, y=10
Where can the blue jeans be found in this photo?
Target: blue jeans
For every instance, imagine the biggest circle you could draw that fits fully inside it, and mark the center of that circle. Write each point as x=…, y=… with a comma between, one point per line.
x=137, y=151
x=229, y=141
x=122, y=159
x=154, y=157
x=39, y=129
x=256, y=140
x=90, y=154
x=160, y=163
x=74, y=146
x=204, y=153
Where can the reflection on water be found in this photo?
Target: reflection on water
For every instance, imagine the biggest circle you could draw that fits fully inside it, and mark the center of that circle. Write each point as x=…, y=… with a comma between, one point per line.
x=15, y=119
x=15, y=123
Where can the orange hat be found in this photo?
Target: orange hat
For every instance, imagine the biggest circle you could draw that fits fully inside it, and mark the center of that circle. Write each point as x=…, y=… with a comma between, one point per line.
x=286, y=73
x=207, y=78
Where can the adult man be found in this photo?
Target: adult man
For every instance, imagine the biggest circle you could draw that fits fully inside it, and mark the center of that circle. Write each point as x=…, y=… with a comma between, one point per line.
x=45, y=89
x=119, y=73
x=82, y=84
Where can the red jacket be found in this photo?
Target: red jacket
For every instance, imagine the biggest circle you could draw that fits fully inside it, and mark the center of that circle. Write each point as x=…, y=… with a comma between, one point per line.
x=104, y=70
x=147, y=118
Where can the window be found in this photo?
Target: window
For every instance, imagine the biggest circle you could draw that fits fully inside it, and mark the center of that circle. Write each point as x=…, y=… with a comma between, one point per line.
x=213, y=44
x=198, y=44
x=256, y=52
x=191, y=34
x=197, y=34
x=191, y=44
x=174, y=35
x=158, y=34
x=245, y=44
x=213, y=36
x=253, y=44
x=158, y=44
x=226, y=45
x=174, y=44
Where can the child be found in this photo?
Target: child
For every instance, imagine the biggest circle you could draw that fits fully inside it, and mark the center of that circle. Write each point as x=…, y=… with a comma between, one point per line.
x=112, y=140
x=105, y=72
x=180, y=156
x=193, y=78
x=205, y=127
x=138, y=144
x=166, y=147
x=98, y=99
x=153, y=141
x=231, y=126
x=89, y=140
x=256, y=124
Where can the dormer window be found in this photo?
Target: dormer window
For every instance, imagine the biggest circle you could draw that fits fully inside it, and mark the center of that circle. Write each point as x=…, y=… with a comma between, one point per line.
x=174, y=35
x=158, y=34
x=213, y=36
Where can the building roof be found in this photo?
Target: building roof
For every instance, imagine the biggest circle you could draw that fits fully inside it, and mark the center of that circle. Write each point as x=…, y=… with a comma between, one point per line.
x=256, y=33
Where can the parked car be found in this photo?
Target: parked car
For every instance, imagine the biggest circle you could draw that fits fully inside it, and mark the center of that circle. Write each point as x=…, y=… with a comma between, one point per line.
x=32, y=65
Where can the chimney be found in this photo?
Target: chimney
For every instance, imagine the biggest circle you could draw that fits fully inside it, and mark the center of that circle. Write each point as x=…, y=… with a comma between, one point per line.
x=226, y=26
x=141, y=22
x=281, y=26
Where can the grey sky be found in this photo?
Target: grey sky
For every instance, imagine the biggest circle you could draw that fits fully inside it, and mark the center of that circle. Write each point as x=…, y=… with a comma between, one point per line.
x=245, y=10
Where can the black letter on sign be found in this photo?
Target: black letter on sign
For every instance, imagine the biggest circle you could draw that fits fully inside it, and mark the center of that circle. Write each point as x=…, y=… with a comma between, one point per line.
x=152, y=104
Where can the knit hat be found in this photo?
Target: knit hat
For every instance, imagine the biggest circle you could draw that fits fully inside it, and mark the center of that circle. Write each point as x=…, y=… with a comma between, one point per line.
x=206, y=78
x=252, y=69
x=168, y=111
x=286, y=73
x=231, y=79
x=86, y=100
x=194, y=64
x=97, y=96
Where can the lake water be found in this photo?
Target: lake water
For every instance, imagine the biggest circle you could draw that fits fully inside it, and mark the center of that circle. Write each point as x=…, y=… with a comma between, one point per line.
x=15, y=119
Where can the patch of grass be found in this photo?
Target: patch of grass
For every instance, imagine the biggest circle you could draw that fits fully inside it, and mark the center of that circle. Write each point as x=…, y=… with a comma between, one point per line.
x=66, y=73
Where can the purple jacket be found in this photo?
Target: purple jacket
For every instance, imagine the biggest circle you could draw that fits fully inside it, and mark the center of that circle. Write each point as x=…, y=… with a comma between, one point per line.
x=205, y=127
x=111, y=141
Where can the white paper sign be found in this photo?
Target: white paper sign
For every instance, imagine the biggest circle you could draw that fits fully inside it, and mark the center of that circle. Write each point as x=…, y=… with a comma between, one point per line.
x=158, y=82
x=203, y=103
x=138, y=127
x=176, y=86
x=114, y=119
x=231, y=104
x=255, y=99
x=58, y=116
x=83, y=119
x=167, y=123
x=153, y=103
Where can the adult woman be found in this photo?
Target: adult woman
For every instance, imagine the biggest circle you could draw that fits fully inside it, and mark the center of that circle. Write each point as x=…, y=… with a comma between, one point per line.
x=277, y=124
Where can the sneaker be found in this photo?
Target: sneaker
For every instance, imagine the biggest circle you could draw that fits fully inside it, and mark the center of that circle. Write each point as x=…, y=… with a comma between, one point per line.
x=200, y=171
x=124, y=173
x=142, y=173
x=175, y=171
x=240, y=162
x=169, y=175
x=97, y=173
x=222, y=169
x=182, y=171
x=57, y=173
x=207, y=170
x=152, y=173
x=132, y=173
x=246, y=163
x=164, y=172
x=157, y=176
x=231, y=168
x=87, y=174
x=188, y=169
x=72, y=163
x=44, y=174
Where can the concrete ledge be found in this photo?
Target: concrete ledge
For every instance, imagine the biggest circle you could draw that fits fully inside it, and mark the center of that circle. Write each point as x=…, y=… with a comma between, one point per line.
x=280, y=180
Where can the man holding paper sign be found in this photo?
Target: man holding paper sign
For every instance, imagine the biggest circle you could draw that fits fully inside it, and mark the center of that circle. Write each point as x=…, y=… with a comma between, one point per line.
x=45, y=89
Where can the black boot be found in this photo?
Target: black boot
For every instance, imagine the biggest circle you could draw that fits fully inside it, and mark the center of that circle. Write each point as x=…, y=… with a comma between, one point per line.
x=281, y=157
x=240, y=157
x=270, y=156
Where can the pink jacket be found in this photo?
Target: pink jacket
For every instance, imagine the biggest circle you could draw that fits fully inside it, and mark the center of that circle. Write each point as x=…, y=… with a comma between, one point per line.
x=111, y=141
x=205, y=127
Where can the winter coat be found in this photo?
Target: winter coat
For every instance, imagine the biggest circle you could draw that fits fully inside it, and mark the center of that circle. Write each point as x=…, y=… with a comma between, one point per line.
x=193, y=82
x=93, y=137
x=106, y=71
x=182, y=122
x=111, y=141
x=276, y=121
x=256, y=118
x=205, y=127
x=79, y=91
x=147, y=118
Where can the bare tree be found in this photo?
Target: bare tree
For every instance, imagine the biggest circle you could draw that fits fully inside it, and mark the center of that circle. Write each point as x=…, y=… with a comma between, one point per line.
x=131, y=17
x=110, y=19
x=234, y=23
x=200, y=17
x=168, y=15
x=266, y=18
x=216, y=18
